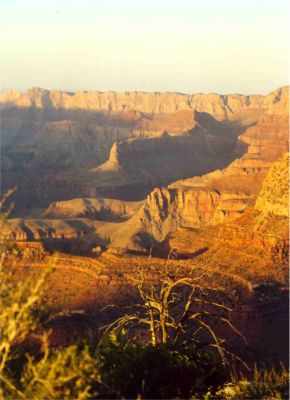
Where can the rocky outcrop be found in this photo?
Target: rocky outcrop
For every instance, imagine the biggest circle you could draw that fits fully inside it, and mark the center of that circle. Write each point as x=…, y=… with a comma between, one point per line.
x=166, y=209
x=44, y=229
x=246, y=246
x=274, y=196
x=257, y=243
x=93, y=208
x=195, y=218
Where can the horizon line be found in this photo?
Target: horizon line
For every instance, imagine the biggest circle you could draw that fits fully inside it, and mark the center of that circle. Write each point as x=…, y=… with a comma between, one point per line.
x=71, y=91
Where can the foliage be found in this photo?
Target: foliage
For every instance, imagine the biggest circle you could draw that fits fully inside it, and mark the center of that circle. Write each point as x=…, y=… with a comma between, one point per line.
x=69, y=373
x=17, y=318
x=27, y=372
x=135, y=370
x=264, y=384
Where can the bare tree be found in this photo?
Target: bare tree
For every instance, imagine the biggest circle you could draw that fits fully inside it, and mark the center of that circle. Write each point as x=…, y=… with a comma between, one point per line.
x=178, y=308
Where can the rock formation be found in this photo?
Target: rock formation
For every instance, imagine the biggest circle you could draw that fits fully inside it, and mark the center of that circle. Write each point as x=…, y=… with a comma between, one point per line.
x=274, y=196
x=224, y=195
x=217, y=105
x=107, y=151
x=257, y=243
x=121, y=155
x=92, y=208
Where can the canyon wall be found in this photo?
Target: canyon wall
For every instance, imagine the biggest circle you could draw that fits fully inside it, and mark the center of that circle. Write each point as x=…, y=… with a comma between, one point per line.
x=274, y=196
x=260, y=235
x=220, y=106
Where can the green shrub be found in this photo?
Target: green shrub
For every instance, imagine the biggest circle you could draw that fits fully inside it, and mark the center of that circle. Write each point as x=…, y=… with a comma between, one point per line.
x=264, y=384
x=134, y=370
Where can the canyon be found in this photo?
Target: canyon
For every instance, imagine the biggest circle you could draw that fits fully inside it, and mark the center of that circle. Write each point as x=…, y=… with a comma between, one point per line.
x=115, y=145
x=125, y=179
x=112, y=182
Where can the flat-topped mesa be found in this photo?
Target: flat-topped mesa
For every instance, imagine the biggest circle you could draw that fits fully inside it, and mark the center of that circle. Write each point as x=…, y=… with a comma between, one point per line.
x=94, y=208
x=21, y=229
x=220, y=106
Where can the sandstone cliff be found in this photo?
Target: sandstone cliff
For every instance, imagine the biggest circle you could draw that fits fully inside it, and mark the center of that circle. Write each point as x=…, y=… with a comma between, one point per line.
x=274, y=196
x=220, y=106
x=258, y=239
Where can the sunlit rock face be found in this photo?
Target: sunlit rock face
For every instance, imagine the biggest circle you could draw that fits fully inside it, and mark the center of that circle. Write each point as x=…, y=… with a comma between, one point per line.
x=274, y=196
x=256, y=244
x=220, y=106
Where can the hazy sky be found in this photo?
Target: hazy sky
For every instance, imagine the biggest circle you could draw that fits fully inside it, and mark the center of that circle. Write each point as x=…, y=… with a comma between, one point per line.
x=152, y=45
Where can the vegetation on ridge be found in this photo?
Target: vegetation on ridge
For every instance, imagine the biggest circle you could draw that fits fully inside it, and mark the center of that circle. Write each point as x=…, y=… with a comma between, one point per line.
x=116, y=367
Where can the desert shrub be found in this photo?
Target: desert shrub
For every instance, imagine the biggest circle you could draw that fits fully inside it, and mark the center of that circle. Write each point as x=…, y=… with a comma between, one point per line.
x=69, y=373
x=135, y=370
x=28, y=371
x=263, y=384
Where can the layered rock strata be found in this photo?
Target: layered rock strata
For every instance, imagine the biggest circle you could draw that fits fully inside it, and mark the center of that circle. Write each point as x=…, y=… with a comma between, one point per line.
x=220, y=106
